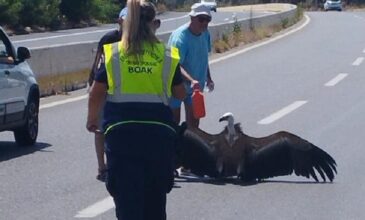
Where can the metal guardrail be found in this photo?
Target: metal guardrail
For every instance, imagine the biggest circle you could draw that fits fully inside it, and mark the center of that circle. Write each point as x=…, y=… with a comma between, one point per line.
x=79, y=57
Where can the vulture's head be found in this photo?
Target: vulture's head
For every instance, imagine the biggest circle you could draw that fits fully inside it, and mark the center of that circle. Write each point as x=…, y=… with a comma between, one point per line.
x=228, y=116
x=231, y=136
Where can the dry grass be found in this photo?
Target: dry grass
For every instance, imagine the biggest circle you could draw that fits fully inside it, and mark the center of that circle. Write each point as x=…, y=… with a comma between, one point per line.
x=63, y=83
x=239, y=37
x=161, y=8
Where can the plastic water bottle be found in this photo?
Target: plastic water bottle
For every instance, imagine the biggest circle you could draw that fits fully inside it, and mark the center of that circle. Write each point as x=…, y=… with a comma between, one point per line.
x=198, y=102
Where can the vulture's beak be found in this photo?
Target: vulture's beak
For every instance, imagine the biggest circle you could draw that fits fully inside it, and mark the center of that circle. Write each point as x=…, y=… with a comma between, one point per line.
x=224, y=118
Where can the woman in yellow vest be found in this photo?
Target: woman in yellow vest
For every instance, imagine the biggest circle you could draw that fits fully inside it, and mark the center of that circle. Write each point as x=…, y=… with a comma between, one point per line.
x=138, y=79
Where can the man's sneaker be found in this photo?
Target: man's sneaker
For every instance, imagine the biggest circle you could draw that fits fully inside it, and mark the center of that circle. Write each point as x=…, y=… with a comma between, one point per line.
x=184, y=172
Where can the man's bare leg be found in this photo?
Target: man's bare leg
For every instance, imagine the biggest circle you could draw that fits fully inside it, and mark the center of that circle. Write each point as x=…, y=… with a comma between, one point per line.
x=99, y=149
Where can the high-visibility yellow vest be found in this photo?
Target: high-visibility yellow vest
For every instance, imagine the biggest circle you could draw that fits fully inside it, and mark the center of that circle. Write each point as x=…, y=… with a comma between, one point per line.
x=146, y=78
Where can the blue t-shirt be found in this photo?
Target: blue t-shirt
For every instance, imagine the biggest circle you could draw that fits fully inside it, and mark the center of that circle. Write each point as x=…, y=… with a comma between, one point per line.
x=194, y=51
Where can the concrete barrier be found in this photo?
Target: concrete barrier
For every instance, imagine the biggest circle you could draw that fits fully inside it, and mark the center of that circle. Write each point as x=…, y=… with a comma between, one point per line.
x=72, y=58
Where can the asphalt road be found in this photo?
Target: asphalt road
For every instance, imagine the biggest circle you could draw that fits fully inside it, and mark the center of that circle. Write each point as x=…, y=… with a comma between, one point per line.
x=320, y=68
x=170, y=21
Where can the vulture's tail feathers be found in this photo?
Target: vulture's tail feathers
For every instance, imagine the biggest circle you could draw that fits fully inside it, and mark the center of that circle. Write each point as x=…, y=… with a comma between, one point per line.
x=283, y=157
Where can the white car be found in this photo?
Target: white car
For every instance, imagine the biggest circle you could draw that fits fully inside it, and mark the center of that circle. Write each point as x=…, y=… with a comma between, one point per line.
x=333, y=5
x=212, y=4
x=19, y=93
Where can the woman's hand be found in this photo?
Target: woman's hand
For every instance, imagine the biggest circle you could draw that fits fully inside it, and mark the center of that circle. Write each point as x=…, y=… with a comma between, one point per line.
x=92, y=126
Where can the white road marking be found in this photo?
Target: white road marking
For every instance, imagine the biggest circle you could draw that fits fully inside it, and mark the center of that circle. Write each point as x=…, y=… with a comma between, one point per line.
x=64, y=35
x=307, y=20
x=56, y=103
x=174, y=19
x=336, y=80
x=358, y=61
x=63, y=44
x=96, y=209
x=279, y=114
x=356, y=16
x=363, y=50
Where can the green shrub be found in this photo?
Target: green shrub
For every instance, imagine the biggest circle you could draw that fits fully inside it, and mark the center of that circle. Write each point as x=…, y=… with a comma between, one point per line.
x=85, y=10
x=9, y=12
x=39, y=12
x=107, y=11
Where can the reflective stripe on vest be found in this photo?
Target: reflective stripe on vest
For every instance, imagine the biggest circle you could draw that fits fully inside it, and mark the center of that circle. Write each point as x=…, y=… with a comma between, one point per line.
x=148, y=79
x=111, y=127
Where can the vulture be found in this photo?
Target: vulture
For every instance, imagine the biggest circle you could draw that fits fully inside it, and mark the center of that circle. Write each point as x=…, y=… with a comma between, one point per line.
x=232, y=153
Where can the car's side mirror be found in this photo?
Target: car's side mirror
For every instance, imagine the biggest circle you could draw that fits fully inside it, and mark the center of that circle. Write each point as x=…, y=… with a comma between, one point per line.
x=23, y=53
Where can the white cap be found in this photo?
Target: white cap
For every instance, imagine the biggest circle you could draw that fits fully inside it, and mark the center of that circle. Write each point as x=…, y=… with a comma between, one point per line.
x=123, y=13
x=199, y=9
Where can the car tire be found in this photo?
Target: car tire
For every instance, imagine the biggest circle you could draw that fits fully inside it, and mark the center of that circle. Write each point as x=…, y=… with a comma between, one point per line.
x=27, y=135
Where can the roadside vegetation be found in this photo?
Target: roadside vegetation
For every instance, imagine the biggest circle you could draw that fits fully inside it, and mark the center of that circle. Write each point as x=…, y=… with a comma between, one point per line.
x=26, y=16
x=239, y=36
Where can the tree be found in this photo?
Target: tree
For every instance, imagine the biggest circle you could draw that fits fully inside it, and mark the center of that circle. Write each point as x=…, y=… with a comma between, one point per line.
x=9, y=12
x=39, y=12
x=85, y=10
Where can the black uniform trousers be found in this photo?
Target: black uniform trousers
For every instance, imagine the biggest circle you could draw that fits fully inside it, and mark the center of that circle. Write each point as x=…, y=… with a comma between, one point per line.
x=140, y=169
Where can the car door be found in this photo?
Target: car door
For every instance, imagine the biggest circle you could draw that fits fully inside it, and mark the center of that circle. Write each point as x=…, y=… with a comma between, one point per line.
x=12, y=84
x=4, y=96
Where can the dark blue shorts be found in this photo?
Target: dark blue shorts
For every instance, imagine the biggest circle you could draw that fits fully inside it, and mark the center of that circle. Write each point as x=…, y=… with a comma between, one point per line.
x=175, y=103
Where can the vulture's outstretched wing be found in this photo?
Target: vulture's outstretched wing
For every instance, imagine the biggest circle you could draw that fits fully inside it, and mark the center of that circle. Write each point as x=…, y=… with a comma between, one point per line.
x=284, y=153
x=195, y=154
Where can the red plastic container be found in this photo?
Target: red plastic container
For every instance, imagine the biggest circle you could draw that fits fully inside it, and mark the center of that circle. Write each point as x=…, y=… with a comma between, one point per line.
x=198, y=103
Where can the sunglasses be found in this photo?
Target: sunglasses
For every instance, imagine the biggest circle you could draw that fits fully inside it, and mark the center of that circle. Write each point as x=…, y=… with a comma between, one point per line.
x=203, y=19
x=157, y=22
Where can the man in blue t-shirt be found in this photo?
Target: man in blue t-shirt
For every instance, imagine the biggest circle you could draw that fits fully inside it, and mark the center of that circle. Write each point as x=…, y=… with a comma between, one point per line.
x=108, y=38
x=193, y=41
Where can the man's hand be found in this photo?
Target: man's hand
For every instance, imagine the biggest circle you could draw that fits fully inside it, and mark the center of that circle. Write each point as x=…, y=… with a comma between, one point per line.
x=195, y=83
x=210, y=85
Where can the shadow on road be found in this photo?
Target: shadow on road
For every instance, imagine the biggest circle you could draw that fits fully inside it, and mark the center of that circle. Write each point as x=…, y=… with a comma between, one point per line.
x=235, y=181
x=208, y=180
x=10, y=150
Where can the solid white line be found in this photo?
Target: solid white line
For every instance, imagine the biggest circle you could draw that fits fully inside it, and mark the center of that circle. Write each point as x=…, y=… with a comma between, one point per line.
x=336, y=80
x=53, y=104
x=84, y=33
x=307, y=20
x=358, y=61
x=63, y=35
x=96, y=209
x=363, y=50
x=281, y=113
x=174, y=19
